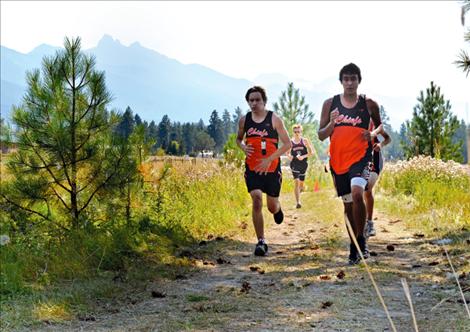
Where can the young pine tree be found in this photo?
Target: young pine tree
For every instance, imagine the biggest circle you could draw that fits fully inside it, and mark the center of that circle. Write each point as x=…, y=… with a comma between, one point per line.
x=66, y=154
x=432, y=128
x=293, y=109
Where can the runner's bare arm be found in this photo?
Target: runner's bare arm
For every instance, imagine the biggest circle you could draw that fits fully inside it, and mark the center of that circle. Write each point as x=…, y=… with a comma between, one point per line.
x=248, y=149
x=374, y=112
x=327, y=120
x=311, y=149
x=386, y=139
x=289, y=155
x=380, y=130
x=377, y=130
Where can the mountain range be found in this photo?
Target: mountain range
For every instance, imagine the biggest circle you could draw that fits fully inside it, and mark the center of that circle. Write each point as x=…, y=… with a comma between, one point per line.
x=149, y=82
x=153, y=84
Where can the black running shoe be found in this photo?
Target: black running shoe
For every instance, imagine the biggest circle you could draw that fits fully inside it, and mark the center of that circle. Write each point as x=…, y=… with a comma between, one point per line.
x=354, y=261
x=279, y=217
x=354, y=257
x=298, y=206
x=361, y=240
x=261, y=249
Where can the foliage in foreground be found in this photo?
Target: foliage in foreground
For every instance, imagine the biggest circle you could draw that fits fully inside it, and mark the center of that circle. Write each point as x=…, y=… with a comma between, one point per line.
x=177, y=205
x=434, y=194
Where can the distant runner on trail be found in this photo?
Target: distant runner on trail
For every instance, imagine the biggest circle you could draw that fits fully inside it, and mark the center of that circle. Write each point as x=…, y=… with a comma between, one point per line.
x=380, y=138
x=298, y=154
x=345, y=120
x=258, y=134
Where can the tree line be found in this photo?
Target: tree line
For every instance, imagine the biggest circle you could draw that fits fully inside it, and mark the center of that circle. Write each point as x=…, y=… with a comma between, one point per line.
x=176, y=138
x=433, y=129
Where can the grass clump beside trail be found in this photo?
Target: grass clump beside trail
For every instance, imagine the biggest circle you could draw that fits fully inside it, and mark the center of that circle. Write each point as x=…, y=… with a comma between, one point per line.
x=51, y=274
x=431, y=195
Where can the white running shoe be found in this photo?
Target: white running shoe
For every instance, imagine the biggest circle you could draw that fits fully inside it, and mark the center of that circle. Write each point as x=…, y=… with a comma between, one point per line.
x=370, y=229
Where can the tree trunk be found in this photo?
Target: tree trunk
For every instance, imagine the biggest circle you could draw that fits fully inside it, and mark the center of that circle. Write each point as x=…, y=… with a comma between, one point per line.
x=73, y=161
x=128, y=205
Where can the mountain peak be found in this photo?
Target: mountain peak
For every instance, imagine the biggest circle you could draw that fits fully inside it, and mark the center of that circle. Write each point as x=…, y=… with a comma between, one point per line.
x=107, y=40
x=43, y=49
x=135, y=44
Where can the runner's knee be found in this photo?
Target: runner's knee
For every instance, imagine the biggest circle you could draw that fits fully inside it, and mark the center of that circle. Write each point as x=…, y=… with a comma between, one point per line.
x=273, y=206
x=357, y=193
x=368, y=194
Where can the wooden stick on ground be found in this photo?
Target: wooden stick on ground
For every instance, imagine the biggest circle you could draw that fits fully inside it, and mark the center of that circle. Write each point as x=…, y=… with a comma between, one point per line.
x=457, y=279
x=408, y=297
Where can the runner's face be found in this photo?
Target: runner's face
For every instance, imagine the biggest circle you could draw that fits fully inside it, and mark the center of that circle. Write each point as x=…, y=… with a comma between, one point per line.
x=255, y=100
x=297, y=132
x=350, y=83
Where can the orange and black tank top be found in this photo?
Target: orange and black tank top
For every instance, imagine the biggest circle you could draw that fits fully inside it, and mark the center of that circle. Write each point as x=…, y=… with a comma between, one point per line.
x=264, y=139
x=299, y=149
x=347, y=145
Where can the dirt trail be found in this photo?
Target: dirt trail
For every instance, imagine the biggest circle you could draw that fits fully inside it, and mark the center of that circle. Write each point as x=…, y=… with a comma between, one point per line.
x=304, y=284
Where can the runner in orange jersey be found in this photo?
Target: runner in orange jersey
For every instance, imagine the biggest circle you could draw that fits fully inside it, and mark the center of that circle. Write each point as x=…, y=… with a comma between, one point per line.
x=258, y=134
x=345, y=120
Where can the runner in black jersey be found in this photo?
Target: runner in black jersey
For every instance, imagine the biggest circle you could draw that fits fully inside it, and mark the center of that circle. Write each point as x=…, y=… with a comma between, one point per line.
x=258, y=134
x=345, y=120
x=380, y=138
x=298, y=154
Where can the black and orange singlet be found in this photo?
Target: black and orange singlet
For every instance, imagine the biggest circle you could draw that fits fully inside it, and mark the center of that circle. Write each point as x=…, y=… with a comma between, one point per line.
x=347, y=145
x=264, y=139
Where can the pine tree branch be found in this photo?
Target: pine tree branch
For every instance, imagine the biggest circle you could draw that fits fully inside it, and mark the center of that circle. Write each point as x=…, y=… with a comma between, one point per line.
x=87, y=69
x=463, y=62
x=92, y=179
x=102, y=184
x=60, y=198
x=47, y=168
x=23, y=162
x=91, y=105
x=25, y=208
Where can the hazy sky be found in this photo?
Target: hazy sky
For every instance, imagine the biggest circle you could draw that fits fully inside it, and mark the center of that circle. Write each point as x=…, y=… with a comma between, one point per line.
x=400, y=46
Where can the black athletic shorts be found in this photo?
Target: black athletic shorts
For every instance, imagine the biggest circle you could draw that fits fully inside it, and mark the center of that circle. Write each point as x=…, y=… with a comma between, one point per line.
x=269, y=183
x=360, y=169
x=299, y=170
x=377, y=162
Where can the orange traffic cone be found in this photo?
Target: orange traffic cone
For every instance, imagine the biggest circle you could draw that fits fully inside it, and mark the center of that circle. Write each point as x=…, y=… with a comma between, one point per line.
x=317, y=186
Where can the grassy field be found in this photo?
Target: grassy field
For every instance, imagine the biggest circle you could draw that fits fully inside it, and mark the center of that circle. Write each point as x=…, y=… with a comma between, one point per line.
x=48, y=276
x=432, y=195
x=191, y=240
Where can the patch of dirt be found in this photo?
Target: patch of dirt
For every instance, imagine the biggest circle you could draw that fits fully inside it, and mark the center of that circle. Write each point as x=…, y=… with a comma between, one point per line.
x=304, y=284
